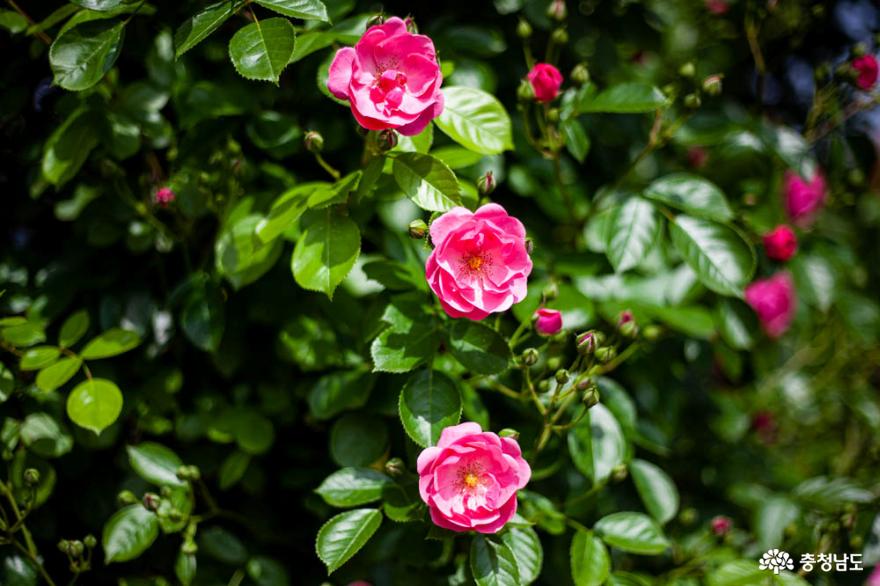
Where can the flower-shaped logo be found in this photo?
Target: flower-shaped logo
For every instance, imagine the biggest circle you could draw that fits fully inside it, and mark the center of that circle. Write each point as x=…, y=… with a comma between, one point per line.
x=776, y=560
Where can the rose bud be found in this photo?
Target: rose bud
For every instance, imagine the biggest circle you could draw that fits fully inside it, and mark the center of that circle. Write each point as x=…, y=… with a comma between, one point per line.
x=545, y=80
x=773, y=299
x=866, y=69
x=548, y=321
x=803, y=198
x=164, y=196
x=486, y=184
x=780, y=244
x=721, y=525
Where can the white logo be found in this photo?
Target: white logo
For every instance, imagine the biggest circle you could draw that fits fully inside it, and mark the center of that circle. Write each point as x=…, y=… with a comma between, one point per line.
x=776, y=560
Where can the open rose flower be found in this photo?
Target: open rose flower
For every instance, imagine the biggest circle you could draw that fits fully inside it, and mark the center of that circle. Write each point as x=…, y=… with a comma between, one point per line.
x=546, y=81
x=781, y=243
x=390, y=77
x=867, y=70
x=470, y=478
x=773, y=299
x=803, y=198
x=479, y=264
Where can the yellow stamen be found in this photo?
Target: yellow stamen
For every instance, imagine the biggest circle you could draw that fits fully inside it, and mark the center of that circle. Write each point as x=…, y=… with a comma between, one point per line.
x=471, y=480
x=475, y=262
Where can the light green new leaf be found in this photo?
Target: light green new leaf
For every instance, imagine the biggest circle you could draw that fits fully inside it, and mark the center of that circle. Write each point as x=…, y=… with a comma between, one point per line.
x=304, y=9
x=525, y=545
x=39, y=357
x=200, y=25
x=476, y=120
x=262, y=49
x=590, y=562
x=427, y=181
x=631, y=232
x=73, y=329
x=129, y=533
x=493, y=563
x=723, y=261
x=155, y=463
x=82, y=55
x=429, y=402
x=691, y=194
x=632, y=532
x=656, y=490
x=345, y=534
x=111, y=343
x=94, y=404
x=285, y=210
x=326, y=252
x=52, y=377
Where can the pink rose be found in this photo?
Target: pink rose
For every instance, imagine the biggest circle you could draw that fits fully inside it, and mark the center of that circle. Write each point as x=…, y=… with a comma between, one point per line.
x=391, y=78
x=803, y=198
x=866, y=67
x=164, y=196
x=470, y=478
x=874, y=578
x=717, y=7
x=721, y=525
x=781, y=243
x=773, y=299
x=479, y=264
x=548, y=321
x=546, y=81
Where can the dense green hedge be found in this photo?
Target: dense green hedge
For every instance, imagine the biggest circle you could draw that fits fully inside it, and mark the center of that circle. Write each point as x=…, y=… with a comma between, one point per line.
x=220, y=356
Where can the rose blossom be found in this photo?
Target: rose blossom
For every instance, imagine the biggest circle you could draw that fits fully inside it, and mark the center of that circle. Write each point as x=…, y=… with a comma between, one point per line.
x=773, y=299
x=866, y=67
x=548, y=321
x=803, y=198
x=721, y=525
x=164, y=196
x=470, y=478
x=391, y=78
x=546, y=81
x=781, y=243
x=479, y=264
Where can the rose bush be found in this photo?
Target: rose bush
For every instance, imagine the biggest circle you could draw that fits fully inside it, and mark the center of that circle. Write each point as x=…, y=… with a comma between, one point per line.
x=510, y=292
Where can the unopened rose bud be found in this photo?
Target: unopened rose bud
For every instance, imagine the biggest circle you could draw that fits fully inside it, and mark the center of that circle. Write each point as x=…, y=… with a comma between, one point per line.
x=688, y=516
x=553, y=114
x=418, y=229
x=529, y=357
x=164, y=197
x=721, y=525
x=530, y=245
x=692, y=101
x=152, y=501
x=64, y=546
x=126, y=497
x=562, y=376
x=589, y=341
x=606, y=354
x=509, y=432
x=557, y=10
x=395, y=467
x=560, y=36
x=580, y=74
x=89, y=541
x=619, y=472
x=712, y=85
x=547, y=321
x=523, y=29
x=31, y=477
x=76, y=548
x=554, y=363
x=411, y=26
x=590, y=396
x=314, y=141
x=386, y=140
x=550, y=291
x=687, y=70
x=525, y=92
x=486, y=184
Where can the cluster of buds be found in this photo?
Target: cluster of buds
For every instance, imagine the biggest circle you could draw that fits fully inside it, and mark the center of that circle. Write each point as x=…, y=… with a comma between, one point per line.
x=189, y=473
x=79, y=553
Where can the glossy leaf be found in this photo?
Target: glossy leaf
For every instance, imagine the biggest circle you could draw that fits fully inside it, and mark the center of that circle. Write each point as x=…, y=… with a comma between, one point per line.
x=476, y=120
x=478, y=347
x=691, y=194
x=83, y=54
x=261, y=50
x=656, y=489
x=202, y=24
x=304, y=9
x=590, y=562
x=39, y=357
x=410, y=339
x=351, y=487
x=326, y=252
x=52, y=377
x=429, y=402
x=525, y=545
x=632, y=231
x=129, y=533
x=493, y=563
x=632, y=532
x=155, y=463
x=69, y=146
x=94, y=404
x=73, y=329
x=625, y=98
x=427, y=181
x=345, y=534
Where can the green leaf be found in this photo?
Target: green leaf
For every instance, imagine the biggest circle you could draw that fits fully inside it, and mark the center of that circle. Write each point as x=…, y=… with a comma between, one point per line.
x=285, y=210
x=457, y=157
x=14, y=23
x=737, y=573
x=200, y=25
x=39, y=357
x=94, y=404
x=597, y=444
x=736, y=323
x=129, y=533
x=631, y=232
x=45, y=436
x=493, y=563
x=576, y=140
x=233, y=468
x=410, y=339
x=81, y=56
x=656, y=490
x=185, y=568
x=18, y=570
x=155, y=463
x=358, y=439
x=351, y=487
x=111, y=343
x=328, y=194
x=476, y=120
x=222, y=545
x=427, y=181
x=99, y=5
x=339, y=391
x=203, y=317
x=429, y=402
x=52, y=377
x=241, y=256
x=261, y=50
x=525, y=545
x=326, y=252
x=590, y=562
x=396, y=276
x=723, y=261
x=73, y=329
x=691, y=194
x=831, y=494
x=345, y=534
x=69, y=147
x=267, y=572
x=478, y=347
x=632, y=532
x=625, y=98
x=304, y=9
